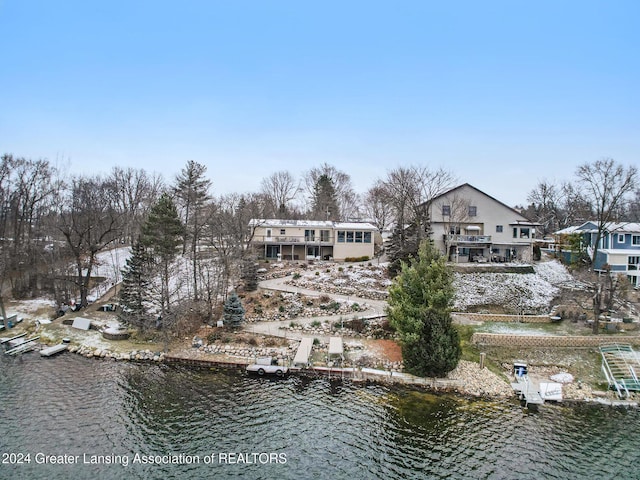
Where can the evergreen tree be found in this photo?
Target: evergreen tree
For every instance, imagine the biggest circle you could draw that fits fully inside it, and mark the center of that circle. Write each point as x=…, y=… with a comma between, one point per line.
x=233, y=311
x=161, y=235
x=420, y=300
x=403, y=247
x=134, y=288
x=192, y=191
x=325, y=200
x=250, y=274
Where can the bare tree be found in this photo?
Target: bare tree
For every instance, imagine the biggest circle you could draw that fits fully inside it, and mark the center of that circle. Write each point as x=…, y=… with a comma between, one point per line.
x=377, y=207
x=545, y=200
x=90, y=223
x=135, y=192
x=280, y=189
x=606, y=184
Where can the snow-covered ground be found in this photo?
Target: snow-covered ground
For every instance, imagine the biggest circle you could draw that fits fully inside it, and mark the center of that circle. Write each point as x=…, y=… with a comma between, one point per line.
x=519, y=292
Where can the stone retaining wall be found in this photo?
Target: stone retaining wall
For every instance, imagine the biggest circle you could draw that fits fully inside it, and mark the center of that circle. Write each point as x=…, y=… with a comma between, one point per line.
x=495, y=317
x=554, y=341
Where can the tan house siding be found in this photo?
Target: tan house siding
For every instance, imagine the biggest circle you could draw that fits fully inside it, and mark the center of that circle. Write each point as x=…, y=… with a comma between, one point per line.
x=308, y=239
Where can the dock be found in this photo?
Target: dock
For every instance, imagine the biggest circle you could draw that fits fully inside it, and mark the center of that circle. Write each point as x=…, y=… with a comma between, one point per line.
x=23, y=347
x=527, y=390
x=55, y=349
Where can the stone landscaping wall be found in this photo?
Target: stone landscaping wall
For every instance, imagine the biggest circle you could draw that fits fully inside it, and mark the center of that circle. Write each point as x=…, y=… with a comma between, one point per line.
x=494, y=317
x=505, y=340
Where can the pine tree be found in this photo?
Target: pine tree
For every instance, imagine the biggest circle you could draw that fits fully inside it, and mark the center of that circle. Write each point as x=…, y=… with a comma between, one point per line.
x=403, y=247
x=161, y=235
x=134, y=288
x=233, y=311
x=250, y=274
x=325, y=200
x=420, y=300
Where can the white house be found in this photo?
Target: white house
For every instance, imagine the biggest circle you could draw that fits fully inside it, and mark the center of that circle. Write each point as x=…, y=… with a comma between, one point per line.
x=468, y=225
x=312, y=239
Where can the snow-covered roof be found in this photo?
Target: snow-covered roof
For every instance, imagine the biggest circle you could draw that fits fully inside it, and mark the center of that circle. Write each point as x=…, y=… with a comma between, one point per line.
x=275, y=222
x=612, y=227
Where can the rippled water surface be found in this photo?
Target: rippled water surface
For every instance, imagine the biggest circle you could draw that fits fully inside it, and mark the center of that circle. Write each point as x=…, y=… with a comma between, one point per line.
x=304, y=428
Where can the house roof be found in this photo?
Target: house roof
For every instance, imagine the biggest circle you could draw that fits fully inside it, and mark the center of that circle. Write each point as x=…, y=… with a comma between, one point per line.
x=611, y=227
x=275, y=222
x=459, y=187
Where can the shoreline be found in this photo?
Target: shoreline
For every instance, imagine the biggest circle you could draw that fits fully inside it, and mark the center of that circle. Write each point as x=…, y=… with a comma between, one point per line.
x=493, y=387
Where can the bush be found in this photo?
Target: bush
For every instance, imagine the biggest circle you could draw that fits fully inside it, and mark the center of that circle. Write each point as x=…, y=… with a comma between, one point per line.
x=316, y=323
x=296, y=276
x=316, y=341
x=355, y=307
x=364, y=258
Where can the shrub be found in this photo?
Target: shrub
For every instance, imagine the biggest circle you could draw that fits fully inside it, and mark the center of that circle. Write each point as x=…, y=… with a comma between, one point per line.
x=316, y=323
x=364, y=258
x=296, y=276
x=317, y=273
x=281, y=308
x=355, y=307
x=316, y=341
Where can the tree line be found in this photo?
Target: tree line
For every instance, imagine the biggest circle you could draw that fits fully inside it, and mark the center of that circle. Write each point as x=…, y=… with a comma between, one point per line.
x=53, y=225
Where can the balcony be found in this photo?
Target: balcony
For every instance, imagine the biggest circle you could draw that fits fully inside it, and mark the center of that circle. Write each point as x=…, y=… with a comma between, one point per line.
x=467, y=239
x=297, y=239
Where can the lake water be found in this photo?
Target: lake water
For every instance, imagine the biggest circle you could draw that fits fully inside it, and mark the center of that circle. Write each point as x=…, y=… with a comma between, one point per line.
x=222, y=424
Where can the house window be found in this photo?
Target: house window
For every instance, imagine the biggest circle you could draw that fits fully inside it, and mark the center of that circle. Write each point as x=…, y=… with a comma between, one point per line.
x=309, y=235
x=633, y=263
x=349, y=237
x=635, y=240
x=473, y=211
x=268, y=233
x=358, y=237
x=340, y=236
x=515, y=232
x=367, y=237
x=282, y=231
x=621, y=238
x=446, y=210
x=498, y=228
x=454, y=230
x=524, y=233
x=324, y=235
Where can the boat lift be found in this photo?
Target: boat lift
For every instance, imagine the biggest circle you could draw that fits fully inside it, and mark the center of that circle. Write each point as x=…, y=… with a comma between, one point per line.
x=621, y=365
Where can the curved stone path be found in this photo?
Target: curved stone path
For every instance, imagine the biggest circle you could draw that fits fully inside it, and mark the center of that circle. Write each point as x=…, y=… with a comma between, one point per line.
x=376, y=309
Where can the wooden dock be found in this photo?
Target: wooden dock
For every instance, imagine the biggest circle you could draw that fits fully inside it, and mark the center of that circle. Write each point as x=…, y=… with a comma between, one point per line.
x=205, y=362
x=23, y=347
x=55, y=349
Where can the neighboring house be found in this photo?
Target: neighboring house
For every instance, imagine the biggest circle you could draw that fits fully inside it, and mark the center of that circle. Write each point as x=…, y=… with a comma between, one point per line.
x=311, y=240
x=619, y=247
x=468, y=225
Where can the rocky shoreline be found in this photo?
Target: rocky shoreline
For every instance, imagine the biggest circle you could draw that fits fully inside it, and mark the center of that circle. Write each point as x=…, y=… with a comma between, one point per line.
x=467, y=379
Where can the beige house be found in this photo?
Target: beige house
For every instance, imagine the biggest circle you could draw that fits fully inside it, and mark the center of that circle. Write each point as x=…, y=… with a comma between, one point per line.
x=312, y=240
x=470, y=226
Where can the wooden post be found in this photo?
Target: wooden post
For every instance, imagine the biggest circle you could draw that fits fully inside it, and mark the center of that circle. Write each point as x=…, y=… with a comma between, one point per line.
x=482, y=357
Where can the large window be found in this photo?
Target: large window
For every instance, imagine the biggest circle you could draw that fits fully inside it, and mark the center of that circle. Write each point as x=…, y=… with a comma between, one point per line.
x=635, y=240
x=633, y=263
x=367, y=237
x=341, y=236
x=446, y=210
x=349, y=237
x=358, y=237
x=309, y=235
x=324, y=235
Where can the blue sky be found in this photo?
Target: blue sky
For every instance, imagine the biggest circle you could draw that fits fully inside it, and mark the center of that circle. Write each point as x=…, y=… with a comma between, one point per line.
x=501, y=93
